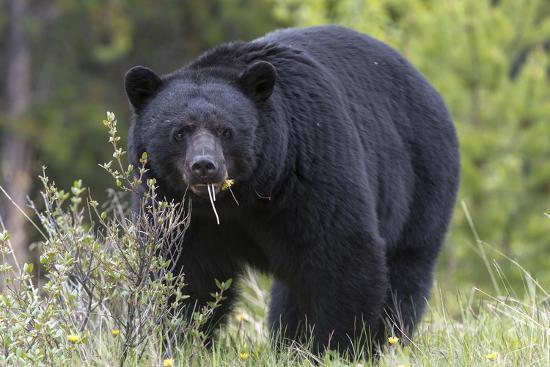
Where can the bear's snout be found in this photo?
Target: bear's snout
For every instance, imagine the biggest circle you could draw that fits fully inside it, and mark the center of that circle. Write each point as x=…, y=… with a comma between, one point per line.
x=204, y=167
x=205, y=162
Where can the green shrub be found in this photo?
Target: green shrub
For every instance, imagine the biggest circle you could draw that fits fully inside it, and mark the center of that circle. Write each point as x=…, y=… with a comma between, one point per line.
x=109, y=274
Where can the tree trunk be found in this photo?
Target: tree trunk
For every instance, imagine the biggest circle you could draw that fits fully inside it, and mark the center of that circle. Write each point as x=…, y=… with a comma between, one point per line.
x=15, y=157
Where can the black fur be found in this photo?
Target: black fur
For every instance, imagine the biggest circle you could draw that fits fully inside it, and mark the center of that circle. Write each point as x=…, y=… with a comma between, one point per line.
x=346, y=166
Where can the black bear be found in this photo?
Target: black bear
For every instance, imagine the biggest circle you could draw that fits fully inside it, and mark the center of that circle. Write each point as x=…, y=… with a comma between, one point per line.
x=344, y=167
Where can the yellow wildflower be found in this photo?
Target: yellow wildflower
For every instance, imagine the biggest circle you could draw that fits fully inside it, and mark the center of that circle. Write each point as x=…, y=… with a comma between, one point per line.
x=244, y=356
x=73, y=338
x=227, y=184
x=240, y=317
x=393, y=340
x=491, y=356
x=115, y=332
x=168, y=362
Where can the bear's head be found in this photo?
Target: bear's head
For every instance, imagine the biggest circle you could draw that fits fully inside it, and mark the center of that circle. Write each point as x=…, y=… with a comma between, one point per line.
x=198, y=127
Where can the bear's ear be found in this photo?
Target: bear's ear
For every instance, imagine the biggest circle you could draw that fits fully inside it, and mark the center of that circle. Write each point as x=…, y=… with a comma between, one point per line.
x=258, y=80
x=141, y=83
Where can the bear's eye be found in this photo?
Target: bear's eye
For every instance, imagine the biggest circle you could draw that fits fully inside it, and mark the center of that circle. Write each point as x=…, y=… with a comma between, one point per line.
x=225, y=133
x=179, y=134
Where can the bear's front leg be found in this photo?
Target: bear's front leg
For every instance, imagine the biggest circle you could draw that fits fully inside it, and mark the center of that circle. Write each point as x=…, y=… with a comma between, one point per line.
x=337, y=295
x=207, y=256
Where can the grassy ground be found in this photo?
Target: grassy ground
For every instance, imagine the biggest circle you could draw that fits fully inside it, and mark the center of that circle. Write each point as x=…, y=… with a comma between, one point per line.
x=475, y=329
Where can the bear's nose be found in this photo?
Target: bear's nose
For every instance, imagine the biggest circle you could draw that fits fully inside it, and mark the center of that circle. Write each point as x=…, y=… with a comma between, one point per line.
x=203, y=166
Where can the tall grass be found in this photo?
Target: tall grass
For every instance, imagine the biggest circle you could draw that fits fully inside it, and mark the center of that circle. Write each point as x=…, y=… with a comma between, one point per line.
x=488, y=330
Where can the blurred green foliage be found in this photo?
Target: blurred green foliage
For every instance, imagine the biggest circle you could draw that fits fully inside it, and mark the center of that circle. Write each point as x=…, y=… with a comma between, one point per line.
x=489, y=59
x=80, y=51
x=491, y=62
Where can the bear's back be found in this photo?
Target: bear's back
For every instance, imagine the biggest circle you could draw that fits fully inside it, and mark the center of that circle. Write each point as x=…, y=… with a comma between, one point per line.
x=358, y=62
x=331, y=43
x=374, y=80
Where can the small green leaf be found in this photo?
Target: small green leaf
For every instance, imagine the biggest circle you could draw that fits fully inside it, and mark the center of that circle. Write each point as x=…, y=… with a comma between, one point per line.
x=143, y=158
x=28, y=268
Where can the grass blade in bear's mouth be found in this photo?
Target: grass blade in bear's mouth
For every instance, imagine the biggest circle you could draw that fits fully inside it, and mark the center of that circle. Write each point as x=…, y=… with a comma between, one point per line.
x=212, y=196
x=212, y=189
